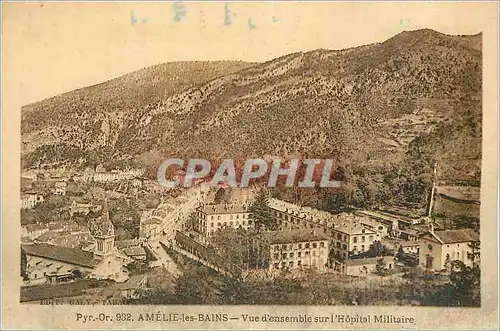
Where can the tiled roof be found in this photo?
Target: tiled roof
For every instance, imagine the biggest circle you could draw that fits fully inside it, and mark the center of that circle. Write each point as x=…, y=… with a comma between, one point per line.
x=412, y=232
x=127, y=243
x=64, y=254
x=49, y=235
x=102, y=228
x=460, y=192
x=353, y=229
x=152, y=220
x=26, y=240
x=346, y=222
x=134, y=251
x=457, y=236
x=216, y=209
x=132, y=283
x=308, y=213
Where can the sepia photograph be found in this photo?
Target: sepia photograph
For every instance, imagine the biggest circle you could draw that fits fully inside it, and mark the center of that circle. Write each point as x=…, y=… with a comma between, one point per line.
x=316, y=161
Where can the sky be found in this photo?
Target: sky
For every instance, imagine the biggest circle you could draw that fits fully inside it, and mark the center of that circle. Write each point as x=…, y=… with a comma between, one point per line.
x=51, y=48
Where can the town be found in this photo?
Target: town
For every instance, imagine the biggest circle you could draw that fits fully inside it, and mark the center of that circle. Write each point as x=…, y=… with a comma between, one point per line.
x=117, y=235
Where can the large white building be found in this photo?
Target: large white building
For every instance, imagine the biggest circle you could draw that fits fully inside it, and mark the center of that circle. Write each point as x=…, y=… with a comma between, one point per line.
x=211, y=217
x=437, y=248
x=298, y=250
x=348, y=233
x=30, y=200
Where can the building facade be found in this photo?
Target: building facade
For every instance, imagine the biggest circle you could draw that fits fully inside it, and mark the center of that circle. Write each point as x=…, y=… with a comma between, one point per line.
x=438, y=248
x=30, y=200
x=347, y=233
x=298, y=250
x=211, y=217
x=364, y=267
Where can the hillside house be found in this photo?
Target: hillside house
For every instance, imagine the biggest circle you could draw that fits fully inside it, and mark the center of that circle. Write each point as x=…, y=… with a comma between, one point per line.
x=364, y=267
x=438, y=248
x=211, y=217
x=30, y=200
x=297, y=250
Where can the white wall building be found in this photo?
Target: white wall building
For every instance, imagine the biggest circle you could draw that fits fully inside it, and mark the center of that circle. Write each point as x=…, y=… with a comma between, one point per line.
x=437, y=248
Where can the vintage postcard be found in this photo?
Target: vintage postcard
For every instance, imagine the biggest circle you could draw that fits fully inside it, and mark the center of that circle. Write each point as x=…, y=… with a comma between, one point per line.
x=235, y=165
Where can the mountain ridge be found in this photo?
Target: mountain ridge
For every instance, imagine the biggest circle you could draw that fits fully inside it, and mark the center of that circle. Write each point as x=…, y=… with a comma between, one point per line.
x=390, y=100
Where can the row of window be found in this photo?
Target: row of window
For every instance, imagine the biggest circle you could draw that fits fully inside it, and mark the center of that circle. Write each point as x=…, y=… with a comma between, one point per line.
x=230, y=223
x=284, y=256
x=291, y=264
x=299, y=246
x=340, y=236
x=287, y=225
x=334, y=233
x=341, y=246
x=230, y=217
x=363, y=239
x=355, y=248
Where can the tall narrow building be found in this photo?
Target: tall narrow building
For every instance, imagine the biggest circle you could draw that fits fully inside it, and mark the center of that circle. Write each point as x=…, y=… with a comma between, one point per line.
x=104, y=233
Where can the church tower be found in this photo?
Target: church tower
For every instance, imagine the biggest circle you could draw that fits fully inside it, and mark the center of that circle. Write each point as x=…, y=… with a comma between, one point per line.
x=104, y=233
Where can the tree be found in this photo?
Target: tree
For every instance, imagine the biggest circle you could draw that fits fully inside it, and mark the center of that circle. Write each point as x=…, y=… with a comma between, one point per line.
x=260, y=213
x=220, y=196
x=24, y=274
x=77, y=274
x=475, y=254
x=137, y=267
x=466, y=282
x=447, y=262
x=379, y=267
x=376, y=249
x=198, y=285
x=401, y=254
x=461, y=221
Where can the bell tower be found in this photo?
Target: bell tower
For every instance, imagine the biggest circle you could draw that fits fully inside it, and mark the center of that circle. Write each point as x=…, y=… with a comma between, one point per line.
x=103, y=232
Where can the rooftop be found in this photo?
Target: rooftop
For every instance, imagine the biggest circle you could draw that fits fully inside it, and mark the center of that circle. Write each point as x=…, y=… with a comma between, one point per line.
x=134, y=251
x=132, y=283
x=460, y=192
x=353, y=228
x=308, y=213
x=64, y=254
x=457, y=236
x=384, y=216
x=102, y=227
x=216, y=209
x=349, y=223
x=127, y=243
x=152, y=220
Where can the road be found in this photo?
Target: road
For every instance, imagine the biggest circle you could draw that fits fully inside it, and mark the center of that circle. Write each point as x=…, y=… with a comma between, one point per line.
x=162, y=258
x=174, y=221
